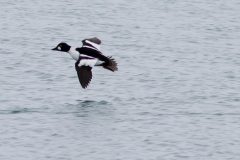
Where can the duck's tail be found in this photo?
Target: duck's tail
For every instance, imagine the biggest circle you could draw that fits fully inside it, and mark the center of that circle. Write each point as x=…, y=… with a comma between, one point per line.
x=111, y=64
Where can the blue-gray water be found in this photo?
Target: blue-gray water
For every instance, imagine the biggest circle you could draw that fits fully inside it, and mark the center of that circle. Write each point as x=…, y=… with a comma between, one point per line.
x=176, y=95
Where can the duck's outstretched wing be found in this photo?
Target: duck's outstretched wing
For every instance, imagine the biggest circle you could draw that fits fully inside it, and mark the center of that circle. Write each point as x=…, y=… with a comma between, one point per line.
x=84, y=74
x=93, y=40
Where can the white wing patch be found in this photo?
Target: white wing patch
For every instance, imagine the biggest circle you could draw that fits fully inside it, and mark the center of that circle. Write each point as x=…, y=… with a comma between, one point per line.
x=88, y=62
x=97, y=46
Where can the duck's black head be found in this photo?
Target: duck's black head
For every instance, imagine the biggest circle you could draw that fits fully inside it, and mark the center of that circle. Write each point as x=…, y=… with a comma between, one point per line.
x=64, y=47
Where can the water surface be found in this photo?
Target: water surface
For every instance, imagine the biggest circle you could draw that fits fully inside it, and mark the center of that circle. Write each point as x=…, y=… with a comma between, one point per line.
x=176, y=95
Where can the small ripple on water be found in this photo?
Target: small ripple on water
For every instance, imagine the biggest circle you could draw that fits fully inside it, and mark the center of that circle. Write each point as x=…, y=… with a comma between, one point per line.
x=21, y=110
x=199, y=114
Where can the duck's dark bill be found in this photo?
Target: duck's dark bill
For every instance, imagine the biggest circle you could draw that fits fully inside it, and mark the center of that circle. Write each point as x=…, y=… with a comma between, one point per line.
x=55, y=49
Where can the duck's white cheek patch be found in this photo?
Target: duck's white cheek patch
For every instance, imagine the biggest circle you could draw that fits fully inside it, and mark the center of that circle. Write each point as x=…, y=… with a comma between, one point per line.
x=59, y=48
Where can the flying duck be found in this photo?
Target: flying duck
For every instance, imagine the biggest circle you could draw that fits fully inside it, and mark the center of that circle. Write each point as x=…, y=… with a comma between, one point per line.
x=87, y=56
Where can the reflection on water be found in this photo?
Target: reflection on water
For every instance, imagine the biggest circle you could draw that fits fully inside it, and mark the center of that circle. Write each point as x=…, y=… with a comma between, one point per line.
x=90, y=103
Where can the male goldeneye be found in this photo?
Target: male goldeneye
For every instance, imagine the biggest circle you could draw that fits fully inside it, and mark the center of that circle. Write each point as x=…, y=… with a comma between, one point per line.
x=87, y=56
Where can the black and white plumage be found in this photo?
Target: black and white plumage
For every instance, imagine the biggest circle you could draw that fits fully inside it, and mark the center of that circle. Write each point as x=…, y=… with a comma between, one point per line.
x=87, y=56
